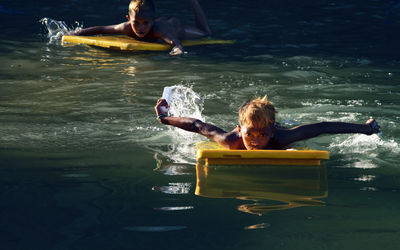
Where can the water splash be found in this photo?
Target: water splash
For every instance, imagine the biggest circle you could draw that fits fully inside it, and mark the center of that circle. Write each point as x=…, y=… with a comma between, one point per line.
x=364, y=144
x=185, y=102
x=180, y=148
x=56, y=29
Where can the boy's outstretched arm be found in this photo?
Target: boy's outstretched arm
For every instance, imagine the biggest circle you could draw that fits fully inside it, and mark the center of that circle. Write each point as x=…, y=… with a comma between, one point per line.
x=302, y=132
x=97, y=30
x=191, y=124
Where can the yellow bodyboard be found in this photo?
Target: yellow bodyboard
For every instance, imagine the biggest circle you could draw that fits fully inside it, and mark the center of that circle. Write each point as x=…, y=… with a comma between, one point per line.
x=214, y=154
x=130, y=44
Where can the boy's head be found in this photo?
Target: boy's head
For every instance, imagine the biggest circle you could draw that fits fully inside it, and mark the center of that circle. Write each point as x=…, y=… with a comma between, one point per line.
x=255, y=123
x=141, y=16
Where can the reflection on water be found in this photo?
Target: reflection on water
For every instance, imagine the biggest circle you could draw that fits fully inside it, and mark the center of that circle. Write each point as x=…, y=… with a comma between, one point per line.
x=165, y=166
x=99, y=59
x=174, y=208
x=174, y=188
x=269, y=187
x=257, y=226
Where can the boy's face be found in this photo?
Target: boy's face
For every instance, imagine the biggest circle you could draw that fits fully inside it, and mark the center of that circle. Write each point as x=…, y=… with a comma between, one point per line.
x=141, y=24
x=255, y=137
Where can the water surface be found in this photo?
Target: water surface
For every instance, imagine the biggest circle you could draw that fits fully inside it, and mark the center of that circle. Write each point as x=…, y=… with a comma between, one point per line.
x=85, y=165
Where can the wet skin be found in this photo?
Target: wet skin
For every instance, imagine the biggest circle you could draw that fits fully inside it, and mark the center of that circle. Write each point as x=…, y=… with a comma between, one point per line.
x=141, y=24
x=255, y=137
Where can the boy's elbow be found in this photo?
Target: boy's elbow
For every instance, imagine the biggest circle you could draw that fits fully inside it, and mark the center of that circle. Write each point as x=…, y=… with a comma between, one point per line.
x=196, y=126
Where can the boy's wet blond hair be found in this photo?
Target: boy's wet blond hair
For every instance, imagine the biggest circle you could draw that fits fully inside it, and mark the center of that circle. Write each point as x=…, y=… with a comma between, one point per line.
x=259, y=112
x=141, y=5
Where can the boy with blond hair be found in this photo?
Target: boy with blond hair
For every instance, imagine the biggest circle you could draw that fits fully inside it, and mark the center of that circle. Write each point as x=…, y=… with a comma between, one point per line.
x=257, y=128
x=144, y=26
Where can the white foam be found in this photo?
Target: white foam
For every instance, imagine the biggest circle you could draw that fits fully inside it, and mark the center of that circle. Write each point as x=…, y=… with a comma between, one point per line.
x=364, y=144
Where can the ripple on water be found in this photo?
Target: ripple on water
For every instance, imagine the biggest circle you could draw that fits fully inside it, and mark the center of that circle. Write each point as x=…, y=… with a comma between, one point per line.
x=302, y=74
x=154, y=229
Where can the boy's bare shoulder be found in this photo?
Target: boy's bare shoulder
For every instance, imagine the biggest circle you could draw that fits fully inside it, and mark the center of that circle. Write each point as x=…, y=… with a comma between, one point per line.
x=125, y=28
x=233, y=140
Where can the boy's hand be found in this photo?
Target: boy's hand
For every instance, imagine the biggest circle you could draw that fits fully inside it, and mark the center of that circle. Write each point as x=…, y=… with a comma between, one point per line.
x=161, y=103
x=177, y=50
x=373, y=126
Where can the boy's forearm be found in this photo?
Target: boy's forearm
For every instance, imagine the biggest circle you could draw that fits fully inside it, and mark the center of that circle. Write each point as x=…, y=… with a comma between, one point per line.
x=173, y=41
x=184, y=123
x=193, y=125
x=89, y=31
x=344, y=128
x=312, y=130
x=303, y=132
x=96, y=30
x=170, y=39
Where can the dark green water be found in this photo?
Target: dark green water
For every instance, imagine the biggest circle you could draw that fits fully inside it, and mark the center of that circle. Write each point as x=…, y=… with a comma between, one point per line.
x=85, y=165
